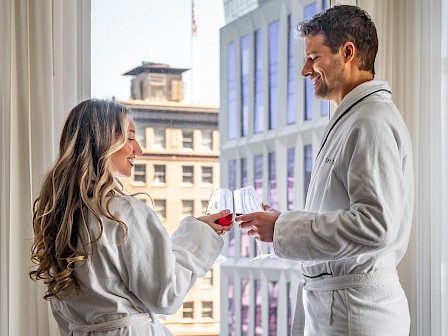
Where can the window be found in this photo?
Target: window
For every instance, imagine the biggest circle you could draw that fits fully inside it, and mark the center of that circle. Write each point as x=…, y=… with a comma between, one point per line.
x=244, y=84
x=273, y=306
x=291, y=103
x=187, y=139
x=245, y=299
x=273, y=72
x=207, y=279
x=140, y=134
x=188, y=310
x=290, y=179
x=258, y=302
x=187, y=174
x=288, y=307
x=258, y=176
x=140, y=173
x=232, y=175
x=207, y=309
x=273, y=200
x=231, y=312
x=308, y=166
x=309, y=11
x=207, y=175
x=159, y=139
x=159, y=174
x=160, y=209
x=207, y=141
x=231, y=91
x=204, y=205
x=244, y=172
x=259, y=111
x=187, y=208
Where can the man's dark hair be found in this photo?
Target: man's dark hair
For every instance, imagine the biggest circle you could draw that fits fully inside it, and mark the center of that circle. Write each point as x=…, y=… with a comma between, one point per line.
x=344, y=23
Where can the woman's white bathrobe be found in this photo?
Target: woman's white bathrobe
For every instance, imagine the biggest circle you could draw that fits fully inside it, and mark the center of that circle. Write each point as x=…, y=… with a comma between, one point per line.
x=357, y=220
x=149, y=272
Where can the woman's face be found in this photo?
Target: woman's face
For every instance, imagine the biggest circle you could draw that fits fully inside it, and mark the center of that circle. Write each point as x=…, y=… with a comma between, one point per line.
x=123, y=160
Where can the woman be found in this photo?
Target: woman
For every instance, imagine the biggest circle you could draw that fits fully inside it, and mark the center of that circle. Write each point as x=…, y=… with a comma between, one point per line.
x=108, y=263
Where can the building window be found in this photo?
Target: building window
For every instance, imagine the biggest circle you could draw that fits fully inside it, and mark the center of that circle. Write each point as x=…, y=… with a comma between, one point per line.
x=232, y=175
x=159, y=174
x=273, y=72
x=244, y=85
x=207, y=309
x=204, y=205
x=207, y=141
x=309, y=11
x=140, y=173
x=258, y=176
x=231, y=91
x=273, y=307
x=160, y=209
x=188, y=310
x=244, y=172
x=245, y=300
x=159, y=139
x=187, y=139
x=291, y=102
x=308, y=166
x=140, y=134
x=258, y=303
x=207, y=175
x=187, y=208
x=207, y=279
x=232, y=317
x=187, y=174
x=273, y=199
x=290, y=179
x=258, y=106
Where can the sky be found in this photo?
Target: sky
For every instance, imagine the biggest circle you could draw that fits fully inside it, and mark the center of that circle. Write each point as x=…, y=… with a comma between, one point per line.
x=125, y=33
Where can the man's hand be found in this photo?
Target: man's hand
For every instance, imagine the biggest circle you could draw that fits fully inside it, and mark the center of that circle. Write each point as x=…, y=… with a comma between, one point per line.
x=260, y=224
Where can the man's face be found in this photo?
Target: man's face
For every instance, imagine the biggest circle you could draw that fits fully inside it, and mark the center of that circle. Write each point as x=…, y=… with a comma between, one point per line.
x=325, y=69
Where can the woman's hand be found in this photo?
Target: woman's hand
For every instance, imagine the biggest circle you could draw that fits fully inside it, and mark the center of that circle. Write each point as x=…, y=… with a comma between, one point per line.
x=210, y=220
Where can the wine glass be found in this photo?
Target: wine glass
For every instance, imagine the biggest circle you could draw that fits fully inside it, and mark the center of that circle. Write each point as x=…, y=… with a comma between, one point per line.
x=221, y=199
x=246, y=201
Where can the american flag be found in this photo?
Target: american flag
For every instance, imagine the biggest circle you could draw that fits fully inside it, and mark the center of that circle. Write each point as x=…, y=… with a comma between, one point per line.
x=194, y=27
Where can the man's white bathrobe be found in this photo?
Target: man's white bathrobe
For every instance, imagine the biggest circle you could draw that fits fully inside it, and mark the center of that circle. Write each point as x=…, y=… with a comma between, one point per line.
x=149, y=272
x=357, y=220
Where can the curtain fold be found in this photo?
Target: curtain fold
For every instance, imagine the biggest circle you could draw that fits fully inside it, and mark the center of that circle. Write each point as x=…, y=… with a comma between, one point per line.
x=44, y=72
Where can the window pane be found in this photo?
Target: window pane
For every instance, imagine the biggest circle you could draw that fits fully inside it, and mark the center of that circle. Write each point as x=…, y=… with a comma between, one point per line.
x=273, y=200
x=273, y=72
x=188, y=310
x=258, y=176
x=231, y=91
x=160, y=209
x=159, y=174
x=258, y=302
x=244, y=84
x=159, y=139
x=291, y=103
x=288, y=307
x=140, y=134
x=290, y=179
x=273, y=306
x=244, y=172
x=245, y=301
x=187, y=139
x=232, y=186
x=187, y=174
x=207, y=279
x=231, y=312
x=308, y=165
x=207, y=175
x=140, y=173
x=207, y=141
x=204, y=206
x=187, y=208
x=259, y=110
x=207, y=309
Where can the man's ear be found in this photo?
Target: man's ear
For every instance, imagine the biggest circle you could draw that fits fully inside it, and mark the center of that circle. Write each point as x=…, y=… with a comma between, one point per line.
x=348, y=51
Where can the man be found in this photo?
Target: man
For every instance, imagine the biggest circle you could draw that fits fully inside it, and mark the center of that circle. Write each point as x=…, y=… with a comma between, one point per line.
x=357, y=219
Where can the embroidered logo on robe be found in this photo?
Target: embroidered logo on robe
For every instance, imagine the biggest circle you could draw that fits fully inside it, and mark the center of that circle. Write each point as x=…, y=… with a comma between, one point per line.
x=329, y=161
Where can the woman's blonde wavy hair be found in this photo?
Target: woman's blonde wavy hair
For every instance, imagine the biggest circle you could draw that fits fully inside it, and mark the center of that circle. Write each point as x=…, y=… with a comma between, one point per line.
x=80, y=181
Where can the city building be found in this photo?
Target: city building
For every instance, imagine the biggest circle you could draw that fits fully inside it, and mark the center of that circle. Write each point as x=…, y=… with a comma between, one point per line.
x=270, y=126
x=178, y=170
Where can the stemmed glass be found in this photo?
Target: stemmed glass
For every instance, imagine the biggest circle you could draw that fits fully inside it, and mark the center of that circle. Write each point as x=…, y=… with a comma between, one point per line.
x=246, y=201
x=221, y=199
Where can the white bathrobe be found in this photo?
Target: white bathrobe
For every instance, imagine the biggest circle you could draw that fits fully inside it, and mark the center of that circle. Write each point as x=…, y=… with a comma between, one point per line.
x=149, y=272
x=357, y=221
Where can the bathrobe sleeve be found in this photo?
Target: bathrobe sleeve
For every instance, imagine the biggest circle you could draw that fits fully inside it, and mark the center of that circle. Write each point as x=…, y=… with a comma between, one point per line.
x=370, y=169
x=158, y=269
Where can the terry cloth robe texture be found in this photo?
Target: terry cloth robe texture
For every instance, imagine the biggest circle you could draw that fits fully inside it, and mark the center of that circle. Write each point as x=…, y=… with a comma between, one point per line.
x=149, y=272
x=356, y=222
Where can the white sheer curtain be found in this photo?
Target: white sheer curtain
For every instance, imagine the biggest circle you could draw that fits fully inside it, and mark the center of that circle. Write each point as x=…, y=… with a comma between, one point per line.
x=44, y=71
x=413, y=59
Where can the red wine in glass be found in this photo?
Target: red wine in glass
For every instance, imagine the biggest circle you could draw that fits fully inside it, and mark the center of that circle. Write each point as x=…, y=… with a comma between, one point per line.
x=225, y=221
